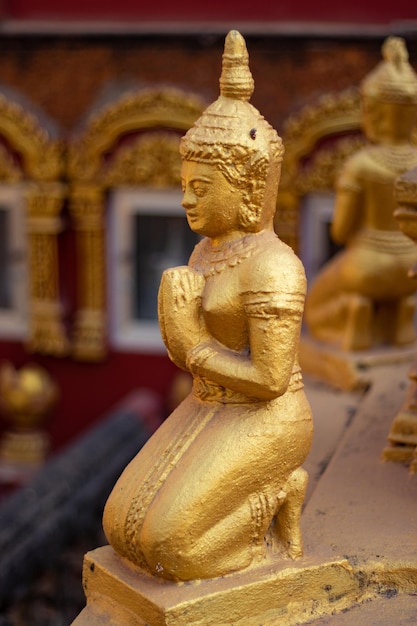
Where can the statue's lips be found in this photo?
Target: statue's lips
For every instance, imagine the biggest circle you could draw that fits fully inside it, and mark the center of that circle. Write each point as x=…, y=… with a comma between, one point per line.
x=192, y=216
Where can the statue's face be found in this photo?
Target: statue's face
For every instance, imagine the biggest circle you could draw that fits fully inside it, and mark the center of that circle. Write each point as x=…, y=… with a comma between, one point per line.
x=371, y=117
x=211, y=203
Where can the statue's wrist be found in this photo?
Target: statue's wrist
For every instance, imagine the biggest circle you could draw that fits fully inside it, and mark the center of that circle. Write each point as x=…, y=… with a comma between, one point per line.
x=199, y=355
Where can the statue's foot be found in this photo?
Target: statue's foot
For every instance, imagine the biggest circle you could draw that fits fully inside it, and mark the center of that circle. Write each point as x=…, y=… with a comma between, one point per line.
x=358, y=333
x=287, y=523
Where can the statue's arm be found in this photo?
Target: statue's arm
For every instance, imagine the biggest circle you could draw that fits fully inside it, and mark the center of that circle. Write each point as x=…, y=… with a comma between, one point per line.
x=348, y=204
x=274, y=322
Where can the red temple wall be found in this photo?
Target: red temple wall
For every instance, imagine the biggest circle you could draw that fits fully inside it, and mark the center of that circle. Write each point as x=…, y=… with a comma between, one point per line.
x=215, y=10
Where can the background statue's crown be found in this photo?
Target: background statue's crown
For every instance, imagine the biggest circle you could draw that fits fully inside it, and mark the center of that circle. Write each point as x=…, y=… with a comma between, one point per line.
x=231, y=128
x=393, y=79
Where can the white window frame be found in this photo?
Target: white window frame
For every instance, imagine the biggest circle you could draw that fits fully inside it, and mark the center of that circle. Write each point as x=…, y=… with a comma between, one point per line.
x=14, y=320
x=126, y=333
x=316, y=211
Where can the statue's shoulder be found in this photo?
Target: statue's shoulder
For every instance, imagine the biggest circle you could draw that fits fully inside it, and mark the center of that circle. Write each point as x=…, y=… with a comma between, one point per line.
x=355, y=169
x=356, y=161
x=272, y=249
x=274, y=262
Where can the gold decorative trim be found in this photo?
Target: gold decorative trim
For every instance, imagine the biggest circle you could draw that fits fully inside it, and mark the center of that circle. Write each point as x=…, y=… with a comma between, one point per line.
x=47, y=333
x=321, y=172
x=334, y=115
x=147, y=109
x=32, y=156
x=152, y=159
x=108, y=154
x=86, y=208
x=9, y=171
x=42, y=156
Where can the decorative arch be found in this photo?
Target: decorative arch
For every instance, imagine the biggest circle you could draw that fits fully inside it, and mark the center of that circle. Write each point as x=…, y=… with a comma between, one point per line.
x=31, y=154
x=118, y=146
x=317, y=141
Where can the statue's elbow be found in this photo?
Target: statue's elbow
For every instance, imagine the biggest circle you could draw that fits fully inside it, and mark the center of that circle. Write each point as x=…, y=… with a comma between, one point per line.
x=272, y=387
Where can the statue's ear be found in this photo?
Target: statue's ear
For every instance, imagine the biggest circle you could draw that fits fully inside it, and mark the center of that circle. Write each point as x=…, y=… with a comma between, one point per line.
x=251, y=207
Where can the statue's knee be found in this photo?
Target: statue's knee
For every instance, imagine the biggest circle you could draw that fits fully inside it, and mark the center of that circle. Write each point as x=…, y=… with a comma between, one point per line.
x=166, y=546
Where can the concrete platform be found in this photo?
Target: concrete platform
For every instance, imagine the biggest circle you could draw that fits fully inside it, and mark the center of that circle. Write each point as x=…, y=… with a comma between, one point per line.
x=361, y=508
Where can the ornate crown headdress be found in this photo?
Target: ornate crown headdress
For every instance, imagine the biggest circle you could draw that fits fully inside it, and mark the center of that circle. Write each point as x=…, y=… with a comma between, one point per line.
x=231, y=132
x=393, y=79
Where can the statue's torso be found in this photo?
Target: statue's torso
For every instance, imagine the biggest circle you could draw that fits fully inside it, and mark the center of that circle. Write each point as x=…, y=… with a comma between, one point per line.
x=371, y=174
x=231, y=282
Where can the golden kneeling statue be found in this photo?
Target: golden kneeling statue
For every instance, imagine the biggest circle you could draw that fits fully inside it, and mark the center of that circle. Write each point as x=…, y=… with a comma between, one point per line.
x=220, y=486
x=363, y=297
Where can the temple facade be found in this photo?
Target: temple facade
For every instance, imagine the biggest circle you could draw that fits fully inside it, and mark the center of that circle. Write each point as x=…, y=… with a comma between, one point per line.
x=93, y=102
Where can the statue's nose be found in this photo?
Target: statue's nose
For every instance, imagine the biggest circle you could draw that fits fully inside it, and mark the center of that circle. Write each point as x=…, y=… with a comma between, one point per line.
x=189, y=199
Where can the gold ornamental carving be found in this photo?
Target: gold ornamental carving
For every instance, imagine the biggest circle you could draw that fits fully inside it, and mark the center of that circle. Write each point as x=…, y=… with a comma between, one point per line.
x=9, y=170
x=86, y=208
x=147, y=109
x=133, y=141
x=333, y=115
x=151, y=160
x=307, y=167
x=321, y=172
x=39, y=164
x=47, y=333
x=42, y=156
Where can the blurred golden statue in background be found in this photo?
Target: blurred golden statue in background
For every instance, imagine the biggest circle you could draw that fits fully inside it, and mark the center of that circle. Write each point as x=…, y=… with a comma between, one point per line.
x=220, y=487
x=402, y=437
x=363, y=297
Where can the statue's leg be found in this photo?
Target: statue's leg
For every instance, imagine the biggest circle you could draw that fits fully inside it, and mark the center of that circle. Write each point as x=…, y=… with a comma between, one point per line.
x=178, y=549
x=212, y=513
x=325, y=304
x=404, y=332
x=358, y=328
x=134, y=492
x=287, y=522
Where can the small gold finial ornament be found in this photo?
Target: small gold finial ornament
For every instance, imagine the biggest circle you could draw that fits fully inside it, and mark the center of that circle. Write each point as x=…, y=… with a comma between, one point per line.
x=236, y=79
x=363, y=298
x=26, y=399
x=219, y=487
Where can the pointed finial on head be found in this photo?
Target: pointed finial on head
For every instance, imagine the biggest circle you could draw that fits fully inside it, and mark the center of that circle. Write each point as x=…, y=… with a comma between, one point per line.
x=236, y=80
x=394, y=51
x=394, y=79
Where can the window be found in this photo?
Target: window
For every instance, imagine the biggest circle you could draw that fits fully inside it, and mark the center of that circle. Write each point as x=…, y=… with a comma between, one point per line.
x=148, y=233
x=13, y=265
x=316, y=245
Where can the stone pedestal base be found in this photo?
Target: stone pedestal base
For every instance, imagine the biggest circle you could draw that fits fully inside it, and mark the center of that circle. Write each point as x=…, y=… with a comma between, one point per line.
x=348, y=370
x=118, y=593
